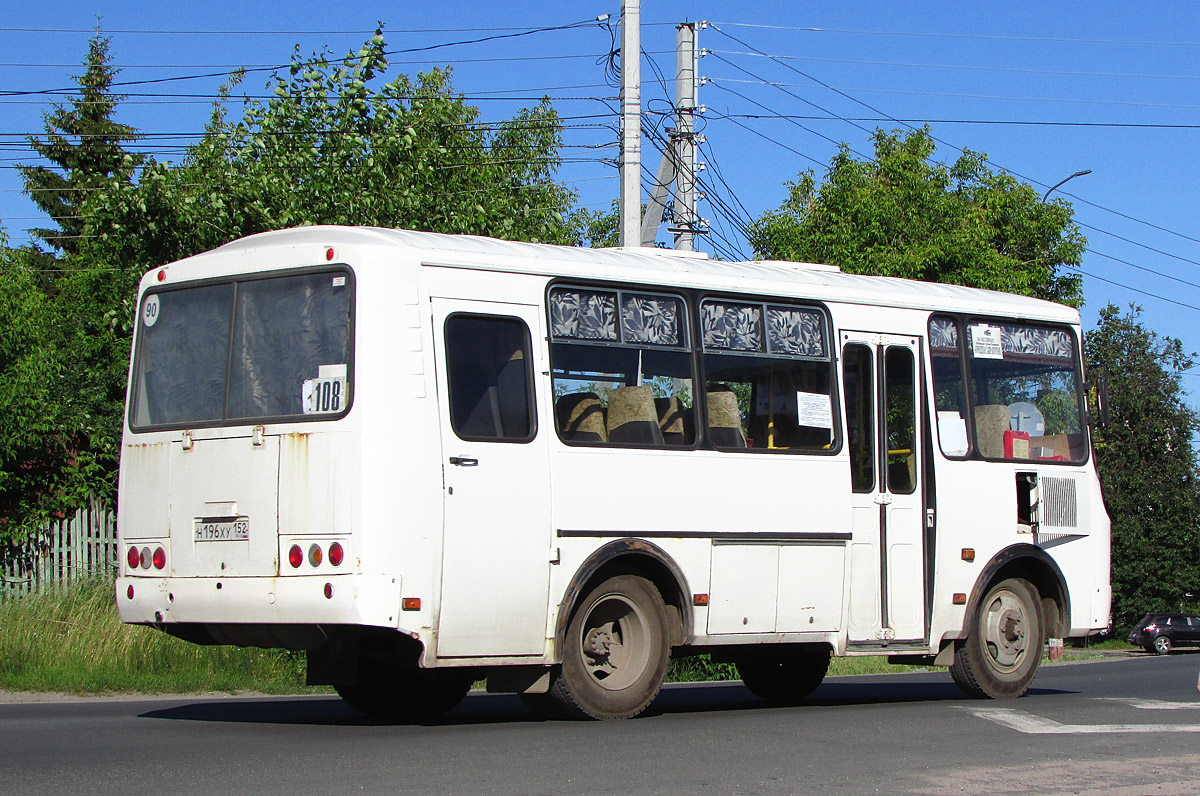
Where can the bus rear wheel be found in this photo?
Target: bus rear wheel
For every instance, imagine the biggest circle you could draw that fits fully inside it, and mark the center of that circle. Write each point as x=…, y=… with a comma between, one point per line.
x=1004, y=643
x=615, y=652
x=785, y=681
x=407, y=695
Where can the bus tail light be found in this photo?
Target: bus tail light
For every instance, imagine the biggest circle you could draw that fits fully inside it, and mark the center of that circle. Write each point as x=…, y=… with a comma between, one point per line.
x=146, y=557
x=328, y=591
x=315, y=556
x=160, y=558
x=295, y=556
x=133, y=558
x=336, y=554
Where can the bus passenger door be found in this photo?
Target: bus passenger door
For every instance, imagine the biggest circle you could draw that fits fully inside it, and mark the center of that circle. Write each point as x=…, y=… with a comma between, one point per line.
x=495, y=542
x=881, y=378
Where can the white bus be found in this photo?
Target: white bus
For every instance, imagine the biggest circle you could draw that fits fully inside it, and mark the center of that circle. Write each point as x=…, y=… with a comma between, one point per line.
x=429, y=459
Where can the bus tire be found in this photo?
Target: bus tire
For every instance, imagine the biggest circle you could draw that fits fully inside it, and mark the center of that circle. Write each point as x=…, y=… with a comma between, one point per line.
x=615, y=651
x=408, y=695
x=1003, y=648
x=785, y=681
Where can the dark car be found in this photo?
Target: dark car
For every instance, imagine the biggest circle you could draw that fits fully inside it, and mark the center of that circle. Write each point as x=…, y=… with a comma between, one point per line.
x=1162, y=632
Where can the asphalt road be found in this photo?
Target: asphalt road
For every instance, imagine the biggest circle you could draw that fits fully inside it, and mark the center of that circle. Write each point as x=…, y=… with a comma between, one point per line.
x=1118, y=727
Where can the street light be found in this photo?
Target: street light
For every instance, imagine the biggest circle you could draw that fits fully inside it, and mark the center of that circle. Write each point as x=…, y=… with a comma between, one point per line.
x=1068, y=179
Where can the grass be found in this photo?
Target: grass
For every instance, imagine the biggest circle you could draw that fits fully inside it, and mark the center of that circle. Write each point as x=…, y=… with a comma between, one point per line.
x=72, y=641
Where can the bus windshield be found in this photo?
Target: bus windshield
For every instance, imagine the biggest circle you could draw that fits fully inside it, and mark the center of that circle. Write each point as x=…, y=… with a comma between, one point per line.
x=249, y=350
x=1025, y=387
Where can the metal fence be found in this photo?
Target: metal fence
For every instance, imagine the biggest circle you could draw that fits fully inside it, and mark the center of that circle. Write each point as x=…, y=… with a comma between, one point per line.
x=68, y=549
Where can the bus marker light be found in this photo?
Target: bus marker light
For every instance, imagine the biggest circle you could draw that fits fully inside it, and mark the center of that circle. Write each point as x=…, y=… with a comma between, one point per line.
x=315, y=556
x=328, y=591
x=162, y=275
x=968, y=554
x=336, y=554
x=959, y=598
x=329, y=254
x=134, y=558
x=411, y=604
x=160, y=558
x=699, y=599
x=295, y=556
x=129, y=592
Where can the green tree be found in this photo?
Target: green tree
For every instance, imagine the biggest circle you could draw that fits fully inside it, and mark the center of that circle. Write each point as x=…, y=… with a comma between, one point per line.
x=1148, y=466
x=47, y=466
x=86, y=149
x=904, y=215
x=333, y=146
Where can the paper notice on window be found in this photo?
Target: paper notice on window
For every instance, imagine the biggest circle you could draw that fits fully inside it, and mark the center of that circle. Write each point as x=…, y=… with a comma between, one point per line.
x=331, y=371
x=985, y=342
x=952, y=431
x=813, y=410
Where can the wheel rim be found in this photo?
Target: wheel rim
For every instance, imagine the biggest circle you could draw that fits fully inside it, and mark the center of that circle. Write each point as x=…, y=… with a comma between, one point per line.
x=1162, y=644
x=1006, y=630
x=614, y=642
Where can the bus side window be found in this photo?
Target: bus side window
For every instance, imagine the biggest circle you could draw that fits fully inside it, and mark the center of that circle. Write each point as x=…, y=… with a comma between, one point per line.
x=859, y=369
x=769, y=376
x=621, y=367
x=489, y=376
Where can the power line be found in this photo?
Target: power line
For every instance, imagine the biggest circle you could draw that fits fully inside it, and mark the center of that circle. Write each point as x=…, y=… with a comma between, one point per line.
x=1054, y=39
x=959, y=95
x=360, y=32
x=1140, y=291
x=963, y=67
x=521, y=32
x=1019, y=122
x=952, y=146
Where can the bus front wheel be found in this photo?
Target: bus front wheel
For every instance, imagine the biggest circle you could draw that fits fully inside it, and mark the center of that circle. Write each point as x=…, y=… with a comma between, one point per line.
x=615, y=652
x=1004, y=643
x=785, y=681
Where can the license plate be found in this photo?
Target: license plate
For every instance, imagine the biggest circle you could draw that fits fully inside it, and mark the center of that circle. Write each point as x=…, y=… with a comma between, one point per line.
x=237, y=530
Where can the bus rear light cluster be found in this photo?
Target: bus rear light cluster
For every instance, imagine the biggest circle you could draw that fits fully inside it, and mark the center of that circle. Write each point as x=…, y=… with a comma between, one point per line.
x=144, y=558
x=316, y=555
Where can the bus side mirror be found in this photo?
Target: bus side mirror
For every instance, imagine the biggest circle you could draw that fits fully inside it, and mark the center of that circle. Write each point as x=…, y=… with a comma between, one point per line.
x=1097, y=392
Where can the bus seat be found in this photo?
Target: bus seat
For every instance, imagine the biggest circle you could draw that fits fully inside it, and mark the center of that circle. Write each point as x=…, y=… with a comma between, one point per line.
x=991, y=421
x=631, y=416
x=673, y=421
x=580, y=417
x=724, y=419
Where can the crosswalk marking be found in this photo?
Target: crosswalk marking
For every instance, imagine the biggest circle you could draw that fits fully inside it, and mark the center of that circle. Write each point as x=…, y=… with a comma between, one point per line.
x=1030, y=724
x=1153, y=704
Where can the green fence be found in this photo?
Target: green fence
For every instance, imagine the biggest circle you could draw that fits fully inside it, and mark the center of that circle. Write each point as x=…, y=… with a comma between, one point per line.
x=71, y=548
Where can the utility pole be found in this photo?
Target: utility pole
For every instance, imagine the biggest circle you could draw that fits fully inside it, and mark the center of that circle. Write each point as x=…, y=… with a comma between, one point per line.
x=630, y=198
x=678, y=163
x=685, y=137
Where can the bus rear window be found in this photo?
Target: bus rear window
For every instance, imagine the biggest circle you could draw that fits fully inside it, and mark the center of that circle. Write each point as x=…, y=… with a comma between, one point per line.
x=243, y=351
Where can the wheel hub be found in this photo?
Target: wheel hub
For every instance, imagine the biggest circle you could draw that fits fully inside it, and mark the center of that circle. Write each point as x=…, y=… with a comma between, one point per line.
x=597, y=646
x=613, y=643
x=1006, y=633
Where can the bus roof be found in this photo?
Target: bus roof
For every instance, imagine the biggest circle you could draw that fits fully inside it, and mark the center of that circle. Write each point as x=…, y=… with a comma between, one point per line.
x=668, y=267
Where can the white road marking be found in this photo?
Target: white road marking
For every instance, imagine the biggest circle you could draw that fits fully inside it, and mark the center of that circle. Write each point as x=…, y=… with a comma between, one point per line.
x=1030, y=724
x=1153, y=704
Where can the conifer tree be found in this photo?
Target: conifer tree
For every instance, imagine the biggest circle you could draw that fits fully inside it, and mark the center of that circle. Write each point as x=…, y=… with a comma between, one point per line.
x=85, y=147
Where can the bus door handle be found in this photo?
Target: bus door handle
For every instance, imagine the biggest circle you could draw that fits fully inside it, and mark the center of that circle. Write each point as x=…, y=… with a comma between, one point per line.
x=463, y=461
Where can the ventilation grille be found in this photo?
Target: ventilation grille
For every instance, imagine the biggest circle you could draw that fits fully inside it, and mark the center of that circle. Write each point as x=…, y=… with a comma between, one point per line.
x=1059, y=507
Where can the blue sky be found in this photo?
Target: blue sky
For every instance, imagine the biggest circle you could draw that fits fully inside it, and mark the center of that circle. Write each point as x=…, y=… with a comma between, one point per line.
x=1044, y=89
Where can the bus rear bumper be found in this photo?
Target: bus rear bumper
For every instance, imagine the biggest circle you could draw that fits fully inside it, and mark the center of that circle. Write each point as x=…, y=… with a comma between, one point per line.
x=371, y=600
